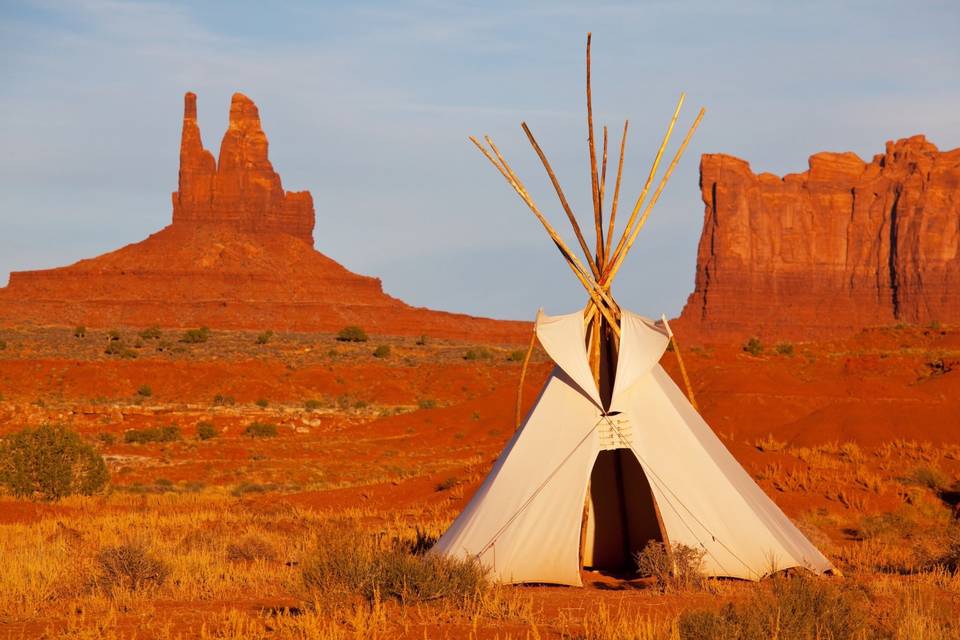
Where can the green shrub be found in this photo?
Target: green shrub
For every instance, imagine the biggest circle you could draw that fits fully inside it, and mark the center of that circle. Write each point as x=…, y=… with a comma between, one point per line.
x=206, y=431
x=144, y=391
x=80, y=332
x=784, y=348
x=50, y=463
x=130, y=566
x=151, y=333
x=170, y=433
x=196, y=336
x=352, y=333
x=753, y=346
x=261, y=430
x=350, y=564
x=264, y=337
x=677, y=568
x=480, y=353
x=383, y=351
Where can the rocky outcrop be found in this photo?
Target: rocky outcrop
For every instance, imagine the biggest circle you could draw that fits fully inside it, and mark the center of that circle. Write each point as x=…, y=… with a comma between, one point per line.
x=845, y=244
x=241, y=189
x=238, y=255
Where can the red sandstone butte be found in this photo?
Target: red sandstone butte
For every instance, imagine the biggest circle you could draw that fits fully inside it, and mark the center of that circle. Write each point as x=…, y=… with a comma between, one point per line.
x=844, y=245
x=238, y=255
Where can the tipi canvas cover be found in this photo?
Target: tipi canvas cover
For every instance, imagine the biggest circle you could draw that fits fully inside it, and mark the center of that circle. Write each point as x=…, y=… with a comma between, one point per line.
x=649, y=466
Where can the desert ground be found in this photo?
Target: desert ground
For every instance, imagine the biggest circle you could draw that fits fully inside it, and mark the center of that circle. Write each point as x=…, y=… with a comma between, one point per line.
x=248, y=469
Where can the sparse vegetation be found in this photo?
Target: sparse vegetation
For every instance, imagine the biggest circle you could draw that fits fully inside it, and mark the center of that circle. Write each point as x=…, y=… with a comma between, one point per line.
x=206, y=431
x=50, y=463
x=144, y=391
x=479, y=353
x=151, y=333
x=312, y=404
x=195, y=336
x=221, y=400
x=784, y=348
x=3, y=345
x=427, y=403
x=422, y=341
x=753, y=346
x=353, y=564
x=261, y=430
x=131, y=567
x=352, y=333
x=265, y=337
x=263, y=403
x=517, y=356
x=675, y=568
x=80, y=332
x=169, y=433
x=382, y=351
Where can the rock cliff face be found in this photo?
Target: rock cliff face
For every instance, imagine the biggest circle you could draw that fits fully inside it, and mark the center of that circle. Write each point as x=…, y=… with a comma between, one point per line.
x=238, y=255
x=845, y=244
x=241, y=189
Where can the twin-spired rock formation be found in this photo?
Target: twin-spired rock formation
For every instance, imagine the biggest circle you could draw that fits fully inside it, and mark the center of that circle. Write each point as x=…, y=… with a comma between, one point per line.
x=238, y=255
x=241, y=188
x=845, y=244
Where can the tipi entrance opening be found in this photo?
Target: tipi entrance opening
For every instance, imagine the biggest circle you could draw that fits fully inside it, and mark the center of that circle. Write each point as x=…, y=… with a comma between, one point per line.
x=621, y=515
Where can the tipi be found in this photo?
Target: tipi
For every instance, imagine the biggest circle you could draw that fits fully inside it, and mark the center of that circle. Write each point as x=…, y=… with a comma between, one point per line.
x=613, y=455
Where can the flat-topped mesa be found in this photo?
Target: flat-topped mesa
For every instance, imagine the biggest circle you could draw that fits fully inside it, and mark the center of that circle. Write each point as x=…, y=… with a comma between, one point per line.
x=845, y=244
x=241, y=189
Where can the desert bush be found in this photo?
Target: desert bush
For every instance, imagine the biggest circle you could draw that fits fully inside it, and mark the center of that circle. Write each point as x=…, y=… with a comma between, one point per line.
x=422, y=341
x=352, y=333
x=383, y=351
x=427, y=403
x=517, y=356
x=798, y=607
x=206, y=431
x=312, y=404
x=224, y=401
x=753, y=346
x=50, y=463
x=357, y=565
x=80, y=332
x=195, y=336
x=263, y=403
x=261, y=430
x=3, y=345
x=480, y=353
x=929, y=477
x=249, y=549
x=130, y=566
x=784, y=348
x=113, y=335
x=677, y=568
x=115, y=348
x=769, y=444
x=169, y=433
x=144, y=391
x=447, y=484
x=265, y=337
x=150, y=333
x=106, y=438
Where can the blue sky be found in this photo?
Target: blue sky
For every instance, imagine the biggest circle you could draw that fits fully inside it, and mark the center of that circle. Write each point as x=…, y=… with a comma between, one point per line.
x=368, y=105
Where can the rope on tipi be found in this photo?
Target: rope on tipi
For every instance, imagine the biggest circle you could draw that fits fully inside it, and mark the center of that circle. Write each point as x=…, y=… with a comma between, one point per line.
x=523, y=375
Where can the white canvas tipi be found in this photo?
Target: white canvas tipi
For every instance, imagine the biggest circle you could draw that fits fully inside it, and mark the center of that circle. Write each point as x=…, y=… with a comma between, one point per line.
x=653, y=468
x=613, y=455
